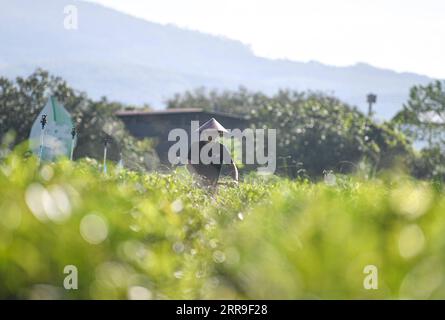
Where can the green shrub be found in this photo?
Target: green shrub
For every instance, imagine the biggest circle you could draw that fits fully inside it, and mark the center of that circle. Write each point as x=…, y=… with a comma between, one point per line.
x=157, y=236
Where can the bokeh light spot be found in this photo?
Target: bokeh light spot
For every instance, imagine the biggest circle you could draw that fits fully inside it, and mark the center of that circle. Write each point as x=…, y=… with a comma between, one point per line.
x=93, y=229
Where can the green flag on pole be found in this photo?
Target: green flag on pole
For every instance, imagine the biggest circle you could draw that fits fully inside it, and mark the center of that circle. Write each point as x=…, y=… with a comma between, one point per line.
x=55, y=139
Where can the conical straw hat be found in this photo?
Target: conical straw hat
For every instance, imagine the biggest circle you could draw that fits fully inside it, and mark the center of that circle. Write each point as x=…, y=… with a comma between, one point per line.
x=212, y=124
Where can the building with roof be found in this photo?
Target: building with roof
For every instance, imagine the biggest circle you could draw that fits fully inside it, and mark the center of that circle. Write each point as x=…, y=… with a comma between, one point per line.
x=157, y=124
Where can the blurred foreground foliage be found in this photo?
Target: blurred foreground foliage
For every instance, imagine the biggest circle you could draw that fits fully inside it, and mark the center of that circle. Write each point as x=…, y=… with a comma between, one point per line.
x=157, y=236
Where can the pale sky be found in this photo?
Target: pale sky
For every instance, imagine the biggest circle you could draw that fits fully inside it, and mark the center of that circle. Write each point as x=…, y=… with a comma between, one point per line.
x=402, y=35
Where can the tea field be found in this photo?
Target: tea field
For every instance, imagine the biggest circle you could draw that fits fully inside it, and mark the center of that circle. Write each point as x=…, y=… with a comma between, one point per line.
x=130, y=235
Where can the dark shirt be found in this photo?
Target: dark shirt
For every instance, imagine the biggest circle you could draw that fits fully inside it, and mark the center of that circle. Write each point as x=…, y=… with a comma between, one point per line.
x=218, y=155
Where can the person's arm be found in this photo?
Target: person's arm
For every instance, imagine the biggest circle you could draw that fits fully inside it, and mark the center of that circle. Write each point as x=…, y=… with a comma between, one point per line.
x=226, y=156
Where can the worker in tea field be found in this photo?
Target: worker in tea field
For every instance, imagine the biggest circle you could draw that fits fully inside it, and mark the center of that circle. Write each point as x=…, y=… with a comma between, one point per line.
x=207, y=158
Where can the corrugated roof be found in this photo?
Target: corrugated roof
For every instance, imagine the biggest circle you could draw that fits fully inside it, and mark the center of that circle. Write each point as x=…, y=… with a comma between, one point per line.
x=165, y=111
x=177, y=111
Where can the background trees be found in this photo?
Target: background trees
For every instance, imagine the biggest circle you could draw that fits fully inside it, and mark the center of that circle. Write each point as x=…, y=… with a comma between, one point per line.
x=422, y=119
x=21, y=101
x=423, y=116
x=315, y=132
x=241, y=101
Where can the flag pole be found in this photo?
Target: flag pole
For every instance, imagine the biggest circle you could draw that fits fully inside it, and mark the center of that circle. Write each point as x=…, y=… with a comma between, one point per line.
x=73, y=136
x=43, y=122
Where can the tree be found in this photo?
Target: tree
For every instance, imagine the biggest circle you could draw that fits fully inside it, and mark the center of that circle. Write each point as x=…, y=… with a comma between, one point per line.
x=423, y=120
x=241, y=101
x=318, y=133
x=21, y=101
x=315, y=132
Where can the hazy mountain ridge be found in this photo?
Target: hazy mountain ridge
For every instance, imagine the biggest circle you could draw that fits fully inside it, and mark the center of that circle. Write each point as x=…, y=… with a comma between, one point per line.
x=135, y=61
